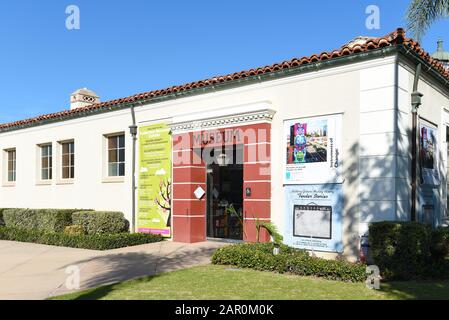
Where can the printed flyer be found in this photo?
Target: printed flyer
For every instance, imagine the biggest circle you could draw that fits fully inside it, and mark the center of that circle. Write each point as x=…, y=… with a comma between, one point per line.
x=313, y=147
x=427, y=153
x=314, y=215
x=154, y=195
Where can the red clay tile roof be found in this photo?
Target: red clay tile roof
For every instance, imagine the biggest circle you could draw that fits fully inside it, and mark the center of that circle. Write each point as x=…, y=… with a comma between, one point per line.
x=395, y=38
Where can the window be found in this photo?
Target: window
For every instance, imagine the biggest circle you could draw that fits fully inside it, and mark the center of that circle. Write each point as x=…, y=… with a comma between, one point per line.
x=116, y=155
x=68, y=160
x=46, y=162
x=11, y=165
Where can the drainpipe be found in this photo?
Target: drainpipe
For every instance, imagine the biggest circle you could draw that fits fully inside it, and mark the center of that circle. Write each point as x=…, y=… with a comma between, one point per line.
x=133, y=131
x=416, y=102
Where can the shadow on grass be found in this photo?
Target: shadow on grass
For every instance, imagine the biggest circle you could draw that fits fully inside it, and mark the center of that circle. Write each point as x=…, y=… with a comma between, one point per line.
x=103, y=291
x=417, y=290
x=104, y=273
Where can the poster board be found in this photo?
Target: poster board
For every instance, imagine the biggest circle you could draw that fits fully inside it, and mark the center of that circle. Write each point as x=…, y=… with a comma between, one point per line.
x=428, y=153
x=313, y=150
x=312, y=221
x=154, y=186
x=314, y=217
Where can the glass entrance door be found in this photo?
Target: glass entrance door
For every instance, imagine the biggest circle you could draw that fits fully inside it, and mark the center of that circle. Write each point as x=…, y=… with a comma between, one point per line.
x=225, y=197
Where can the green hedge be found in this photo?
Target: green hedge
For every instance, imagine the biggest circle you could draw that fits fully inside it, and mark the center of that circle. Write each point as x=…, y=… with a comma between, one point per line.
x=49, y=220
x=260, y=257
x=409, y=250
x=439, y=247
x=97, y=222
x=92, y=242
x=20, y=218
x=2, y=222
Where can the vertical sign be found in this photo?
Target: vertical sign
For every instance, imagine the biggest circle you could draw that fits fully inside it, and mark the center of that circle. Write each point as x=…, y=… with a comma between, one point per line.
x=154, y=195
x=428, y=153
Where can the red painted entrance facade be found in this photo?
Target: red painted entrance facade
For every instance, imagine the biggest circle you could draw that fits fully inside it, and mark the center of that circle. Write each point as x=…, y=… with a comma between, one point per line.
x=189, y=173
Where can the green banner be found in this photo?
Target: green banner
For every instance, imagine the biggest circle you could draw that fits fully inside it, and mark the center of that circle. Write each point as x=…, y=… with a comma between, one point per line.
x=154, y=195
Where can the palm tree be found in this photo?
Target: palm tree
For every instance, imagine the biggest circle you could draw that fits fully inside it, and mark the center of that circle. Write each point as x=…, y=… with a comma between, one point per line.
x=423, y=13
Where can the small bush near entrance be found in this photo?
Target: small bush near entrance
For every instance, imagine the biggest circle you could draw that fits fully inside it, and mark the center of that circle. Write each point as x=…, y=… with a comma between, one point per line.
x=49, y=220
x=97, y=222
x=409, y=250
x=92, y=242
x=260, y=257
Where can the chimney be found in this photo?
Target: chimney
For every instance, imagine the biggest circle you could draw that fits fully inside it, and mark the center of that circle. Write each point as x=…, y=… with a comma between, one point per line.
x=83, y=98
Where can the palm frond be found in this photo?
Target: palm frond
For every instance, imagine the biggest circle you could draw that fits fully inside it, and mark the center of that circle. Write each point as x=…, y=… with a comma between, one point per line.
x=423, y=13
x=273, y=232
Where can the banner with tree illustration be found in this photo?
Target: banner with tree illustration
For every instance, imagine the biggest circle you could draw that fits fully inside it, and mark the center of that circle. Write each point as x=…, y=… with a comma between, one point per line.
x=154, y=188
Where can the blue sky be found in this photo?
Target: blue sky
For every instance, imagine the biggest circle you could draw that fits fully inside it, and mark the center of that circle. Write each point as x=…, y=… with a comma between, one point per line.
x=127, y=47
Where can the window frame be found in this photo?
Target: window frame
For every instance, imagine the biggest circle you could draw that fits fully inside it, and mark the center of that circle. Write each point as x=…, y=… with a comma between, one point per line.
x=107, y=178
x=5, y=171
x=50, y=164
x=61, y=166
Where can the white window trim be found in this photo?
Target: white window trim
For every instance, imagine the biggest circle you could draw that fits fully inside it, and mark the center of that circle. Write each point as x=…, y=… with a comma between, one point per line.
x=58, y=169
x=5, y=182
x=39, y=180
x=105, y=159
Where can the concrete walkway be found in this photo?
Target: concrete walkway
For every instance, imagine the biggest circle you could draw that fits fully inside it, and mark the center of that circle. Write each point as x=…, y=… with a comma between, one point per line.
x=31, y=271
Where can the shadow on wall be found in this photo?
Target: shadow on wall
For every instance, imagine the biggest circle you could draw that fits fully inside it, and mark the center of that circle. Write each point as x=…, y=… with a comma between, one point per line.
x=374, y=178
x=117, y=267
x=382, y=181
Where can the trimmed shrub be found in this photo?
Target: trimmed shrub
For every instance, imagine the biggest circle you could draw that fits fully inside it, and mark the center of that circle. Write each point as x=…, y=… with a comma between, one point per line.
x=260, y=257
x=49, y=220
x=96, y=222
x=54, y=220
x=74, y=230
x=2, y=222
x=439, y=247
x=20, y=218
x=92, y=242
x=408, y=250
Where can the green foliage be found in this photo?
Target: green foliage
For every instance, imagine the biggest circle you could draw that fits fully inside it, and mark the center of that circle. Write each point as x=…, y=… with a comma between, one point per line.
x=53, y=220
x=97, y=222
x=92, y=242
x=260, y=257
x=2, y=222
x=408, y=250
x=423, y=13
x=439, y=247
x=271, y=229
x=49, y=220
x=20, y=218
x=74, y=230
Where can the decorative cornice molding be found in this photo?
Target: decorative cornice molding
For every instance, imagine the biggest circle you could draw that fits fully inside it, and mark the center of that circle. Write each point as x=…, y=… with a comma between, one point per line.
x=224, y=121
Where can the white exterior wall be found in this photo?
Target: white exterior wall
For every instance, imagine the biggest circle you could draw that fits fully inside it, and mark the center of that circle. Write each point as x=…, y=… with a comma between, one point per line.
x=384, y=145
x=364, y=92
x=434, y=109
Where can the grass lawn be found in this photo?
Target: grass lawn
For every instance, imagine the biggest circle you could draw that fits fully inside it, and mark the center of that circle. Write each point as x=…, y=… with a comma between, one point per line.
x=218, y=282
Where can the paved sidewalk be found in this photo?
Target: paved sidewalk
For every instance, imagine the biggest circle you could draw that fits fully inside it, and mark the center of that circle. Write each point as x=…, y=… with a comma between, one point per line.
x=31, y=271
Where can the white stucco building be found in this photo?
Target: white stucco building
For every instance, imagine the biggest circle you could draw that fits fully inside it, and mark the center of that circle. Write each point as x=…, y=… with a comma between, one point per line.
x=321, y=146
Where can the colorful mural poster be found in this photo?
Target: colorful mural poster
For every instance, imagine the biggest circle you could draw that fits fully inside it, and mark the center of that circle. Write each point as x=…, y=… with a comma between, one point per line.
x=314, y=217
x=428, y=153
x=313, y=147
x=155, y=186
